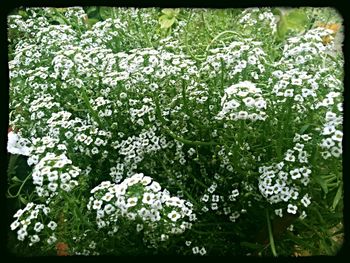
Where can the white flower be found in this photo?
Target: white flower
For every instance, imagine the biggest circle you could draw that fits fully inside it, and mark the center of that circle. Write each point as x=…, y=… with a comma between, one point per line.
x=146, y=180
x=330, y=116
x=242, y=115
x=260, y=104
x=292, y=209
x=338, y=136
x=95, y=150
x=175, y=201
x=131, y=216
x=19, y=213
x=289, y=93
x=155, y=186
x=14, y=225
x=97, y=204
x=327, y=143
x=214, y=206
x=132, y=201
x=21, y=234
x=65, y=187
x=92, y=245
x=59, y=164
x=295, y=174
x=336, y=151
x=134, y=179
x=53, y=176
x=306, y=200
x=249, y=101
x=148, y=198
x=328, y=129
x=52, y=225
x=306, y=137
x=107, y=197
x=38, y=227
x=278, y=212
x=195, y=250
x=109, y=209
x=235, y=192
x=174, y=216
x=164, y=237
x=326, y=155
x=296, y=82
x=52, y=187
x=202, y=251
x=139, y=227
x=205, y=198
x=52, y=239
x=74, y=173
x=34, y=239
x=105, y=184
x=289, y=158
x=65, y=177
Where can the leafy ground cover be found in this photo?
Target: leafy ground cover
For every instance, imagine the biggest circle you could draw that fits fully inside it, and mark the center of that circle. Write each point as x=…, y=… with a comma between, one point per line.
x=175, y=131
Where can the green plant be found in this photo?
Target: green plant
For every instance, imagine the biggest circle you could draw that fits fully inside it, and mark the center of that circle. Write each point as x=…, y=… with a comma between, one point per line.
x=236, y=113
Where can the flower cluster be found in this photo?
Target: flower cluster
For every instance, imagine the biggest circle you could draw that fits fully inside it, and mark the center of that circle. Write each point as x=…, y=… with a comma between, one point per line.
x=54, y=172
x=133, y=150
x=287, y=180
x=29, y=224
x=140, y=199
x=242, y=101
x=244, y=57
x=17, y=144
x=251, y=16
x=332, y=143
x=233, y=124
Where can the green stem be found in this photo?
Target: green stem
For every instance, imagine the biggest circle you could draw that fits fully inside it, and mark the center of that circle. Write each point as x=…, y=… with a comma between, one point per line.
x=199, y=182
x=206, y=26
x=217, y=37
x=172, y=134
x=91, y=110
x=143, y=30
x=20, y=188
x=272, y=242
x=222, y=74
x=185, y=141
x=186, y=40
x=185, y=103
x=189, y=196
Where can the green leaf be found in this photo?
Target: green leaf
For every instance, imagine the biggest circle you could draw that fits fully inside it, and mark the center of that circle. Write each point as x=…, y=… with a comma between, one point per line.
x=171, y=12
x=304, y=128
x=59, y=20
x=23, y=13
x=322, y=183
x=92, y=21
x=294, y=20
x=16, y=179
x=91, y=10
x=61, y=10
x=166, y=22
x=12, y=165
x=105, y=12
x=338, y=197
x=22, y=200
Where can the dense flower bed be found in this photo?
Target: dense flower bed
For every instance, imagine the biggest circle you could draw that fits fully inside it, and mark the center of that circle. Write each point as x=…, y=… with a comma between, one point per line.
x=138, y=145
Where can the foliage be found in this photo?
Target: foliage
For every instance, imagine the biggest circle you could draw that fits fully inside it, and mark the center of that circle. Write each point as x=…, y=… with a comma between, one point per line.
x=175, y=131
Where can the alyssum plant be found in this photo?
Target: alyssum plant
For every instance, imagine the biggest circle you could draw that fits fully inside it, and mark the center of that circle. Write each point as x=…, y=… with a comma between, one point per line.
x=138, y=147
